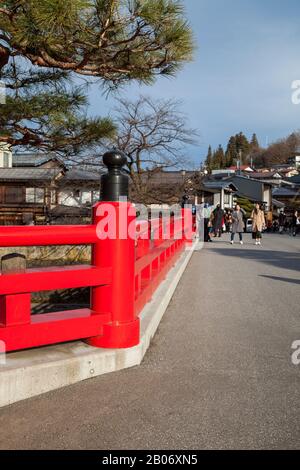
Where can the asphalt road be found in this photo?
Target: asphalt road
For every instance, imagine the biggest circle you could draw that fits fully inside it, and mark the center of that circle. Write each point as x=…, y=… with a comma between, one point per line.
x=218, y=374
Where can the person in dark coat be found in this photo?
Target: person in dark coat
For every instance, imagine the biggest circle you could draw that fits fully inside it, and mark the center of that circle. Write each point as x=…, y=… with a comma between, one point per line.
x=218, y=221
x=281, y=221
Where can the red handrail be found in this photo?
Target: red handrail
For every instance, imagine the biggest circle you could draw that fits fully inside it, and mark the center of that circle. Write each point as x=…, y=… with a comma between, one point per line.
x=123, y=276
x=47, y=235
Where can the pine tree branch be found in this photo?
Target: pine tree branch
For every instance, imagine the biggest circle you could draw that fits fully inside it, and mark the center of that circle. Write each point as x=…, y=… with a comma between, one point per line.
x=109, y=41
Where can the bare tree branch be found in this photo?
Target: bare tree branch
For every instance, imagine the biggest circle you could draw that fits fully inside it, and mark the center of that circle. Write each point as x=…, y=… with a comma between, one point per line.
x=154, y=135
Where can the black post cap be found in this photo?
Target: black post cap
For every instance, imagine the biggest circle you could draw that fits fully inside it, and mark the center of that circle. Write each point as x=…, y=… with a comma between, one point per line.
x=114, y=184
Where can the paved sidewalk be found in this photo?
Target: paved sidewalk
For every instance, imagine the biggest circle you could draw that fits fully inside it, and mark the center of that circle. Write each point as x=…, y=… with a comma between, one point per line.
x=218, y=373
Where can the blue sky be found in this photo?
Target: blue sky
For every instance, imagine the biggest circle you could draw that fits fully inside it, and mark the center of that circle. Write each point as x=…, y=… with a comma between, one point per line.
x=248, y=54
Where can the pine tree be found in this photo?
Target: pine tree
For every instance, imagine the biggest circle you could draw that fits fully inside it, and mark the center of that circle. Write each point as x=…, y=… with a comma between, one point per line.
x=238, y=148
x=208, y=160
x=44, y=110
x=254, y=145
x=218, y=159
x=293, y=141
x=242, y=147
x=221, y=156
x=44, y=42
x=114, y=40
x=231, y=152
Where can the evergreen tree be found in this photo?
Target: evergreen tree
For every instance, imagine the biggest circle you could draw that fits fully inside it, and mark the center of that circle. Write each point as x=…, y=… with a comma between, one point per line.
x=242, y=147
x=115, y=40
x=43, y=42
x=293, y=141
x=254, y=145
x=221, y=156
x=215, y=163
x=238, y=148
x=231, y=152
x=208, y=160
x=218, y=159
x=43, y=110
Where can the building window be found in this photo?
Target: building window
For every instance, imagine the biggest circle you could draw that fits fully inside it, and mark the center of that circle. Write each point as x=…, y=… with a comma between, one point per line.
x=35, y=195
x=226, y=198
x=6, y=156
x=53, y=197
x=95, y=196
x=86, y=197
x=14, y=195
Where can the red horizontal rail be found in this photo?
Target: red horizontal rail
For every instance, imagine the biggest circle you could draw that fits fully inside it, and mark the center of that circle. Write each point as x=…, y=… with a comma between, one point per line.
x=66, y=277
x=143, y=226
x=51, y=328
x=123, y=276
x=155, y=257
x=48, y=235
x=146, y=260
x=152, y=268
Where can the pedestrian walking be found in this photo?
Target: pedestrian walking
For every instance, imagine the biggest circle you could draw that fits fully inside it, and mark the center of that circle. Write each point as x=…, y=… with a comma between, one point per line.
x=210, y=226
x=258, y=223
x=281, y=221
x=206, y=214
x=275, y=226
x=218, y=221
x=237, y=224
x=296, y=223
x=228, y=221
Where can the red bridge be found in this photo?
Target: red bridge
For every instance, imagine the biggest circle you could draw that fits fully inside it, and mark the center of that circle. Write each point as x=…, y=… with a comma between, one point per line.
x=124, y=273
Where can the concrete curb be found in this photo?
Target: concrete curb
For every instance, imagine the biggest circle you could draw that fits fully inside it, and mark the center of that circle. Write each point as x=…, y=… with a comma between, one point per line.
x=36, y=371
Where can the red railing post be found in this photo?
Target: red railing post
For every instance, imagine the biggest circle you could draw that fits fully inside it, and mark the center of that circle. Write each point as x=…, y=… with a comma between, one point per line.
x=14, y=308
x=117, y=251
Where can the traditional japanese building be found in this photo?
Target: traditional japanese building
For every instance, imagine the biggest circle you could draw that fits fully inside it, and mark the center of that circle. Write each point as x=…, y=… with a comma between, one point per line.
x=40, y=188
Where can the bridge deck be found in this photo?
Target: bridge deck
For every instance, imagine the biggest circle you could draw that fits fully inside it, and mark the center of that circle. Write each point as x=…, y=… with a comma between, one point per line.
x=218, y=374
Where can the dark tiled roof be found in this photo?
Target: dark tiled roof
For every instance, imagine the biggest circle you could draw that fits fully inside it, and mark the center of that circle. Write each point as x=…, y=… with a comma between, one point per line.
x=168, y=177
x=220, y=185
x=23, y=174
x=295, y=179
x=260, y=175
x=246, y=186
x=249, y=187
x=31, y=159
x=47, y=174
x=285, y=192
x=77, y=174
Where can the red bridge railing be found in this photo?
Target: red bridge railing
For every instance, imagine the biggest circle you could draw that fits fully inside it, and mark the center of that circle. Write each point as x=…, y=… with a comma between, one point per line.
x=124, y=273
x=157, y=253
